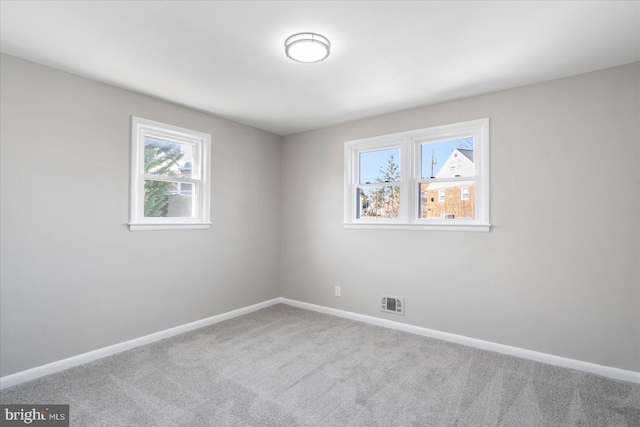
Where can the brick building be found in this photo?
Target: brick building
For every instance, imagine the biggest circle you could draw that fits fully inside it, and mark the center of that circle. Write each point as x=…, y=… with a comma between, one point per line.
x=453, y=199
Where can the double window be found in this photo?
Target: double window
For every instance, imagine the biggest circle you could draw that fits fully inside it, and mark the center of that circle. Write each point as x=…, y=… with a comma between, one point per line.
x=169, y=176
x=434, y=178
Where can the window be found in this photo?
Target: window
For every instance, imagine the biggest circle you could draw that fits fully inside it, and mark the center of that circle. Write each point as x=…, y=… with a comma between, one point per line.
x=434, y=178
x=464, y=193
x=378, y=188
x=169, y=177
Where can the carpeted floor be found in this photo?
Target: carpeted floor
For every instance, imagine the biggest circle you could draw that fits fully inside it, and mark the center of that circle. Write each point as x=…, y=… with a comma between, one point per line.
x=284, y=366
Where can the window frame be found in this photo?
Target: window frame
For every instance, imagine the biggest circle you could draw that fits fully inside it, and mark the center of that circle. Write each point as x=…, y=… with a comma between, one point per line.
x=200, y=176
x=376, y=145
x=409, y=144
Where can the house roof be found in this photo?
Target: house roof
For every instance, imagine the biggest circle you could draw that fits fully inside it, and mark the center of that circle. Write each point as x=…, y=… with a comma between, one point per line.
x=467, y=153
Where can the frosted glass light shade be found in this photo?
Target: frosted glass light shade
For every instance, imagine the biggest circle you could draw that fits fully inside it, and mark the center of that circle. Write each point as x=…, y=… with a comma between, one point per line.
x=307, y=47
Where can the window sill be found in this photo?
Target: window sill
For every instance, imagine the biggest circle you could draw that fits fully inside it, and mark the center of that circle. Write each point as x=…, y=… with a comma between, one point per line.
x=484, y=228
x=172, y=226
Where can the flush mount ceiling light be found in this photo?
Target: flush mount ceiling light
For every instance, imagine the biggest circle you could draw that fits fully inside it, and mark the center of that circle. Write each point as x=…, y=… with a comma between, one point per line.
x=307, y=47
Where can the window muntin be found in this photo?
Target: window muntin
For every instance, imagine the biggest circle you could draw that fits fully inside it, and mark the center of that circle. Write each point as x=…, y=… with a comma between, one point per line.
x=169, y=176
x=442, y=182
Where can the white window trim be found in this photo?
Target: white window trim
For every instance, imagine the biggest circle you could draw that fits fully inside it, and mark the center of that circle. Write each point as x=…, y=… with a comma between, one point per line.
x=201, y=180
x=410, y=163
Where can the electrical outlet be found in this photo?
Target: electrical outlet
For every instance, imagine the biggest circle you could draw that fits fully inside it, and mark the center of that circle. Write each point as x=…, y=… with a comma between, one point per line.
x=338, y=291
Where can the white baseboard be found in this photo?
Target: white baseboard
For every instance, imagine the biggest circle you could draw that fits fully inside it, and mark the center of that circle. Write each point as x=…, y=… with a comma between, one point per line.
x=50, y=368
x=60, y=365
x=578, y=365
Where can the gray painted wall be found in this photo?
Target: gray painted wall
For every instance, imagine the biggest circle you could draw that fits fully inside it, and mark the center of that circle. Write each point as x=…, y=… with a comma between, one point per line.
x=559, y=272
x=74, y=279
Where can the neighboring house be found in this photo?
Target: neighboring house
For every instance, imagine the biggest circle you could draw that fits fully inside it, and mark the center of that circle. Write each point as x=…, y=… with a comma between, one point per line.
x=182, y=188
x=180, y=200
x=451, y=199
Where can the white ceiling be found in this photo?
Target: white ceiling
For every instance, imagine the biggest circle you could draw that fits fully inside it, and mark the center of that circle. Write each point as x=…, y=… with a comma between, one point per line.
x=227, y=58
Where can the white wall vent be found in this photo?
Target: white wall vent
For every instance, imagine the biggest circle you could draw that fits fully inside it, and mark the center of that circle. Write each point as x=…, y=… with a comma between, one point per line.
x=392, y=304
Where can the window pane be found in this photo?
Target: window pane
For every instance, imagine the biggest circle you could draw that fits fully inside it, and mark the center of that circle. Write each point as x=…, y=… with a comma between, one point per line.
x=162, y=199
x=447, y=200
x=167, y=158
x=446, y=159
x=378, y=202
x=379, y=166
x=184, y=188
